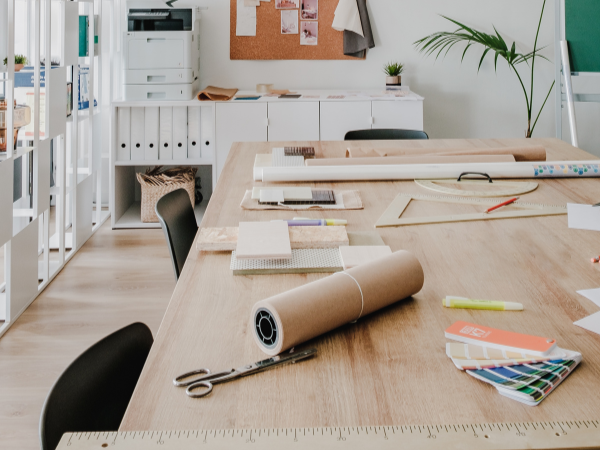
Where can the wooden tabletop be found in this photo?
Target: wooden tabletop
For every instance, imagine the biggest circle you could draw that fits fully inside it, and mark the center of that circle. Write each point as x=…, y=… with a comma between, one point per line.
x=390, y=368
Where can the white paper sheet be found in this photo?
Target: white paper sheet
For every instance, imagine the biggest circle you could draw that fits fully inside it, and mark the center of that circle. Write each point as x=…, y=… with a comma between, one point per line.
x=246, y=20
x=584, y=217
x=591, y=294
x=590, y=323
x=347, y=17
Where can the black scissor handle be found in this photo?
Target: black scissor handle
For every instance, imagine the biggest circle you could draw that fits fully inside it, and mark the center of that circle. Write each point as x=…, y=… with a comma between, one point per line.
x=475, y=173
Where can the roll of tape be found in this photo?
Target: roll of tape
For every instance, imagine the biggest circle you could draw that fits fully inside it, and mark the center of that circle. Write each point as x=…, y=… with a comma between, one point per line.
x=264, y=88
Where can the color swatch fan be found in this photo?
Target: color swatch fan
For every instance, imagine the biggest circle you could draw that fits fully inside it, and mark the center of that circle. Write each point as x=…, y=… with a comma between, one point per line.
x=521, y=367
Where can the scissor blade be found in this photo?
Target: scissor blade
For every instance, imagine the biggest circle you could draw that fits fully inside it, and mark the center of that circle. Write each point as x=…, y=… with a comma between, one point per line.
x=280, y=360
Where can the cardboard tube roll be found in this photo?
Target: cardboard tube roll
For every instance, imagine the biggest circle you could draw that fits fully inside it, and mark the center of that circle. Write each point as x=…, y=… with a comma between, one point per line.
x=429, y=159
x=533, y=153
x=293, y=317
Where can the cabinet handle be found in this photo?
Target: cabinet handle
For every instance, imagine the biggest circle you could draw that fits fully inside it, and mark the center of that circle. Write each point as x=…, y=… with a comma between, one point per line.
x=267, y=123
x=371, y=120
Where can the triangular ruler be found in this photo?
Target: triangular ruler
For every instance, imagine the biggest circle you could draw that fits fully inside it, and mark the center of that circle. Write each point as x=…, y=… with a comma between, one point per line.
x=392, y=215
x=505, y=188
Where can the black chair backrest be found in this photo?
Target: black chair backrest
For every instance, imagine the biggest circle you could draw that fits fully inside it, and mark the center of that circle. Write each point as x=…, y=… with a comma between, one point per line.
x=92, y=394
x=176, y=214
x=384, y=134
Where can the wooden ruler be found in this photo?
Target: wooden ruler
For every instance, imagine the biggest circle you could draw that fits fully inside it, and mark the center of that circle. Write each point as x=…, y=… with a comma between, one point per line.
x=581, y=434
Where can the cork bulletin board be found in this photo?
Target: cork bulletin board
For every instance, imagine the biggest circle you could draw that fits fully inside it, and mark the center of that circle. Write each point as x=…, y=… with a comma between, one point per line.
x=270, y=44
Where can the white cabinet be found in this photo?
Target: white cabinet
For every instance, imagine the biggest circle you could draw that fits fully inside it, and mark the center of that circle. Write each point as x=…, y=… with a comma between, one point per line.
x=337, y=118
x=293, y=121
x=407, y=115
x=238, y=122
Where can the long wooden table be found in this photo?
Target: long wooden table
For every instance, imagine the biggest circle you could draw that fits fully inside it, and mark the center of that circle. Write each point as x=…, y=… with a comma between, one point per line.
x=390, y=368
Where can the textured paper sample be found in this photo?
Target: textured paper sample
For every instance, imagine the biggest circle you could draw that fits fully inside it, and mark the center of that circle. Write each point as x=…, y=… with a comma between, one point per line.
x=289, y=193
x=431, y=159
x=280, y=159
x=357, y=255
x=271, y=196
x=534, y=153
x=348, y=200
x=305, y=260
x=584, y=217
x=293, y=317
x=225, y=239
x=263, y=240
x=365, y=238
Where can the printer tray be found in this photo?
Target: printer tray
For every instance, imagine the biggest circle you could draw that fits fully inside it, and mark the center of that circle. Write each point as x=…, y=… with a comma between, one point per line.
x=139, y=92
x=159, y=76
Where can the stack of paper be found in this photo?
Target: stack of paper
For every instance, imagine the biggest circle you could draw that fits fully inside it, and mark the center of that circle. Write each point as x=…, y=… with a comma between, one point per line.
x=521, y=367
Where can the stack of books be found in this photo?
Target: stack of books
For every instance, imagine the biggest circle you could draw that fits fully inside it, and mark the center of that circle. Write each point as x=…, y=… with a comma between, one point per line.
x=521, y=367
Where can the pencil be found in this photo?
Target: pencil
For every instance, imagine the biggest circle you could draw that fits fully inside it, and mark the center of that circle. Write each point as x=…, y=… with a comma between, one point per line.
x=507, y=202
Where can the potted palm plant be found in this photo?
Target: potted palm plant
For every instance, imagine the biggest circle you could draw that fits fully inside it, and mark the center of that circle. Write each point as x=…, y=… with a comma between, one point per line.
x=441, y=42
x=20, y=61
x=393, y=71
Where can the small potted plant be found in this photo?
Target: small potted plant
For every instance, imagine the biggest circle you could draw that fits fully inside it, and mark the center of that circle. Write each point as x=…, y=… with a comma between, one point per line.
x=393, y=70
x=20, y=61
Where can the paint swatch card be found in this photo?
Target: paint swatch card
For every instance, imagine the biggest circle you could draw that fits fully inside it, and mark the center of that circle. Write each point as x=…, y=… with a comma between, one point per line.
x=504, y=340
x=528, y=383
x=472, y=351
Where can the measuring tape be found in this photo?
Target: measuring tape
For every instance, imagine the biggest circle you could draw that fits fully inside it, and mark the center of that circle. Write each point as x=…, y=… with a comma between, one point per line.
x=582, y=434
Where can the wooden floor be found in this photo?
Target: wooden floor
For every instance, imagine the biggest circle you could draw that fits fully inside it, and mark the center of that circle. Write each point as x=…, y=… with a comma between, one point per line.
x=117, y=278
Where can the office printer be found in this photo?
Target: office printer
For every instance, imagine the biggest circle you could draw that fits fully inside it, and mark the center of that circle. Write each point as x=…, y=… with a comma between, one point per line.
x=161, y=51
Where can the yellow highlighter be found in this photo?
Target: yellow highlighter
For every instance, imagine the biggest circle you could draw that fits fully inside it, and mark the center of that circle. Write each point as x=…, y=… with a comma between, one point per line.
x=490, y=305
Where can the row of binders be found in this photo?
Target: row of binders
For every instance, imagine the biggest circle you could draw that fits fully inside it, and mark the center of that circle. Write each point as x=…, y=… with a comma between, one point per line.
x=161, y=133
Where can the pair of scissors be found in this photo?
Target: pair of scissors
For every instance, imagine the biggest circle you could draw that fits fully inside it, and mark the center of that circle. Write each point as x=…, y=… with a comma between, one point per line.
x=208, y=379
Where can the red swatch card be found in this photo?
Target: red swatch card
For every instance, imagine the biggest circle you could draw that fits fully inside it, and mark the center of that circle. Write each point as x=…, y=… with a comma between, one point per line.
x=470, y=333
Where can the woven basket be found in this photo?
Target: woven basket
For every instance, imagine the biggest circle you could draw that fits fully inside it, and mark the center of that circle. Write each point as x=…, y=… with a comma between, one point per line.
x=156, y=183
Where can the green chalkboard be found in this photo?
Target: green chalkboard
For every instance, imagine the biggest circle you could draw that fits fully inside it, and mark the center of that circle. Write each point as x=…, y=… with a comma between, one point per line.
x=582, y=29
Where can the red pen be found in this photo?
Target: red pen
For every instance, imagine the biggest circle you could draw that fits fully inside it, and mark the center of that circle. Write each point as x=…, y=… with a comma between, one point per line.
x=507, y=202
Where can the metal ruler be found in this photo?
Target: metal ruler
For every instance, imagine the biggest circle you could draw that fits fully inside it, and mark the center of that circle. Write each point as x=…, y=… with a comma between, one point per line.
x=581, y=434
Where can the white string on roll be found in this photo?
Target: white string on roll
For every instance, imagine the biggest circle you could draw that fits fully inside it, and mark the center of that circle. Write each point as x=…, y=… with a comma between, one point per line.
x=362, y=297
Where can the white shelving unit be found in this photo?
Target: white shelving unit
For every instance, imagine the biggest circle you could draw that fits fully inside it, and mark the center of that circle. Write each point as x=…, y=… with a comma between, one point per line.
x=318, y=115
x=126, y=193
x=71, y=150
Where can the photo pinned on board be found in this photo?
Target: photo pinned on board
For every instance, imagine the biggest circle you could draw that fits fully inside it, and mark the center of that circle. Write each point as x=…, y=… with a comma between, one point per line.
x=289, y=22
x=287, y=4
x=309, y=33
x=309, y=9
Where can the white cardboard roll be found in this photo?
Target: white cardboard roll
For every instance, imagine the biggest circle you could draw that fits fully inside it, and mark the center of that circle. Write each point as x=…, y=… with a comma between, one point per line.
x=543, y=169
x=293, y=317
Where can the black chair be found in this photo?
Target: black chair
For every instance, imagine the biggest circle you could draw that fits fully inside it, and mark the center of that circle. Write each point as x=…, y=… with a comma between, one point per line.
x=92, y=394
x=384, y=135
x=176, y=215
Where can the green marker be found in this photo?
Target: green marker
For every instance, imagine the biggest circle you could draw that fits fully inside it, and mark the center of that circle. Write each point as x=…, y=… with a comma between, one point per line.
x=490, y=305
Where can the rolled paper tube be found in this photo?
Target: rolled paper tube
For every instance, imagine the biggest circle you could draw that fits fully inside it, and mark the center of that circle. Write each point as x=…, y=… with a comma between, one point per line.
x=552, y=169
x=430, y=159
x=293, y=317
x=534, y=153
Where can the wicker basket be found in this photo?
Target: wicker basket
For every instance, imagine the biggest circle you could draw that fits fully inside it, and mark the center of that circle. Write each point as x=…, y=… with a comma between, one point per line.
x=156, y=183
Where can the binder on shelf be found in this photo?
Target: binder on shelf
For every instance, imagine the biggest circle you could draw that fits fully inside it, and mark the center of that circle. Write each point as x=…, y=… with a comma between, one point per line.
x=137, y=133
x=124, y=134
x=151, y=133
x=194, y=132
x=180, y=124
x=165, y=150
